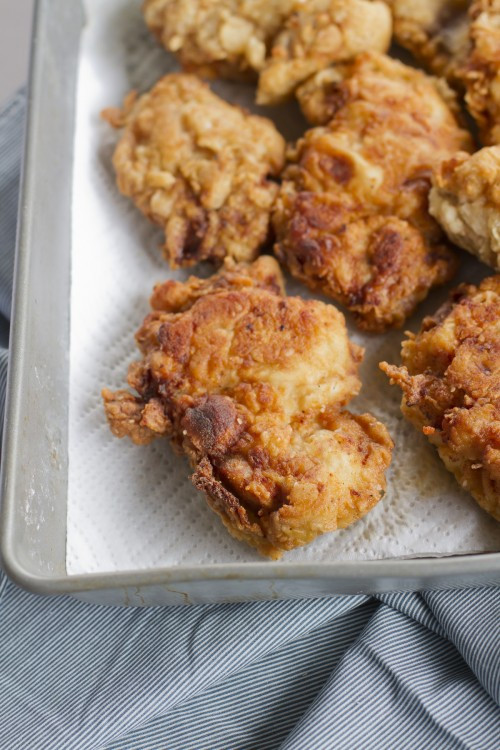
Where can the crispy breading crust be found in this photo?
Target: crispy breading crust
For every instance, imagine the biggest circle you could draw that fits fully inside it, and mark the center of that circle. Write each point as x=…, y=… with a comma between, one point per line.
x=250, y=384
x=434, y=31
x=481, y=71
x=465, y=200
x=177, y=296
x=324, y=94
x=198, y=167
x=283, y=40
x=450, y=379
x=379, y=267
x=227, y=38
x=318, y=33
x=352, y=217
x=377, y=79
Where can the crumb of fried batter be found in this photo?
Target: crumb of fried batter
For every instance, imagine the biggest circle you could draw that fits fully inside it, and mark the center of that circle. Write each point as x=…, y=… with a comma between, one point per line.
x=199, y=167
x=480, y=72
x=226, y=38
x=450, y=380
x=465, y=200
x=352, y=216
x=250, y=384
x=317, y=34
x=434, y=31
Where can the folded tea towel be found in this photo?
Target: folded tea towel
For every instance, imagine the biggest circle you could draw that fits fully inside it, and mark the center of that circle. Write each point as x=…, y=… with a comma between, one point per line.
x=392, y=672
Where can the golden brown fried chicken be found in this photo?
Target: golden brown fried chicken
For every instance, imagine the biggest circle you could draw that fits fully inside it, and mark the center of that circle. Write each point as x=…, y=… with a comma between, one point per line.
x=459, y=39
x=228, y=38
x=481, y=71
x=434, y=31
x=318, y=33
x=284, y=40
x=322, y=95
x=352, y=217
x=450, y=379
x=198, y=167
x=379, y=267
x=250, y=384
x=380, y=80
x=465, y=200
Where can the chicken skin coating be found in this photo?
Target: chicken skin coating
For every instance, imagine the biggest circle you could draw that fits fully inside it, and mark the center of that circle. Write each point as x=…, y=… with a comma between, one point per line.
x=465, y=200
x=227, y=38
x=198, y=167
x=284, y=41
x=434, y=31
x=379, y=79
x=481, y=71
x=352, y=217
x=317, y=34
x=450, y=380
x=379, y=267
x=250, y=385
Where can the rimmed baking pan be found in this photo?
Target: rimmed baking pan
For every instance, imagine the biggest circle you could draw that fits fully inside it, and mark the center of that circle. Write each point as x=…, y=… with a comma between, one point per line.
x=35, y=447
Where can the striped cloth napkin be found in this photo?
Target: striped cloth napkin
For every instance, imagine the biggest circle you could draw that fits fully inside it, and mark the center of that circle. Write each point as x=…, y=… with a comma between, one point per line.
x=392, y=672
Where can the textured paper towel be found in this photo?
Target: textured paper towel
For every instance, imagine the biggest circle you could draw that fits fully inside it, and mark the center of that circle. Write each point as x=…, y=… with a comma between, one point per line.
x=134, y=507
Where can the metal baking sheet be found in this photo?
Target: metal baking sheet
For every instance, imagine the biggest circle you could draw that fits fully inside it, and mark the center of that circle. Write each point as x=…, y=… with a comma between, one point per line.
x=35, y=455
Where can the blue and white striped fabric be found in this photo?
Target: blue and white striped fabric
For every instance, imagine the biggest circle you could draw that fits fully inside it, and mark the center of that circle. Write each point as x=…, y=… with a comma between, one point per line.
x=395, y=672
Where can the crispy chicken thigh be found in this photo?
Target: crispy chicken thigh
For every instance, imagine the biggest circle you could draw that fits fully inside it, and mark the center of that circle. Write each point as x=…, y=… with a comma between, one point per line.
x=460, y=40
x=352, y=217
x=434, y=31
x=199, y=168
x=228, y=38
x=381, y=81
x=450, y=380
x=465, y=200
x=250, y=384
x=319, y=33
x=481, y=71
x=284, y=41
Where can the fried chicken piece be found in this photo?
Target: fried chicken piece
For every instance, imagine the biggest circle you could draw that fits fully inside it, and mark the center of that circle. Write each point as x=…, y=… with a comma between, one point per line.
x=323, y=94
x=198, y=167
x=434, y=31
x=317, y=34
x=177, y=296
x=465, y=200
x=450, y=379
x=352, y=217
x=481, y=71
x=379, y=267
x=250, y=384
x=460, y=40
x=378, y=79
x=283, y=40
x=227, y=38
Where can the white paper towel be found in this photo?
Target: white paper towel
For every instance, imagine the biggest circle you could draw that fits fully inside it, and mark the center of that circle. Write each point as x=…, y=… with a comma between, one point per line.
x=134, y=507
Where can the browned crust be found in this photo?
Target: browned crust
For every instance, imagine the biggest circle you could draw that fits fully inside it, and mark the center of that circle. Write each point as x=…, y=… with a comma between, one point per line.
x=352, y=218
x=481, y=70
x=199, y=167
x=465, y=199
x=378, y=267
x=178, y=296
x=436, y=33
x=231, y=512
x=129, y=416
x=250, y=385
x=450, y=380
